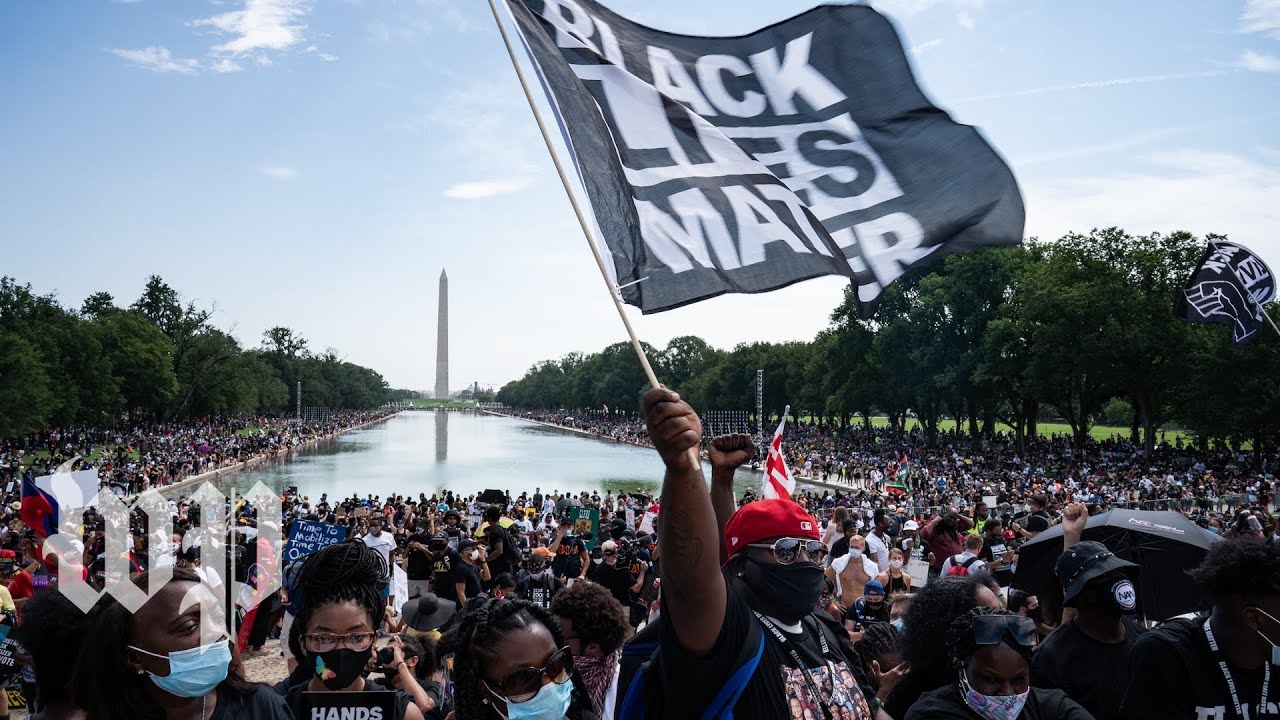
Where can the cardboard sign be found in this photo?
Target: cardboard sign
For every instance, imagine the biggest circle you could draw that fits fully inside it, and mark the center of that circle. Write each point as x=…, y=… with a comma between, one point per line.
x=919, y=572
x=308, y=536
x=630, y=514
x=646, y=524
x=586, y=520
x=362, y=512
x=400, y=586
x=371, y=705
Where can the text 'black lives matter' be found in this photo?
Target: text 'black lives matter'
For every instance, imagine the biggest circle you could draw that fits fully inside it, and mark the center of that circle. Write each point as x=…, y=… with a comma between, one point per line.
x=741, y=165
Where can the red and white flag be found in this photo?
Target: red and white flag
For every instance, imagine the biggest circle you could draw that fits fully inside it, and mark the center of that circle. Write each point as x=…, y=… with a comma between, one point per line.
x=778, y=482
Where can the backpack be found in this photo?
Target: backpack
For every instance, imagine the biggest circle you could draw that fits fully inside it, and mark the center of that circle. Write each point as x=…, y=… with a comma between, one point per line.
x=959, y=569
x=632, y=691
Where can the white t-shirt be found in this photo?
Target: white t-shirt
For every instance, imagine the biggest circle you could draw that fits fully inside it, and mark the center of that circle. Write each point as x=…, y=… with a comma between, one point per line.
x=382, y=544
x=961, y=559
x=876, y=546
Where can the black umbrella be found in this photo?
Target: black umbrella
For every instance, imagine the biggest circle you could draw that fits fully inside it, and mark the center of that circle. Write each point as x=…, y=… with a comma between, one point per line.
x=1164, y=545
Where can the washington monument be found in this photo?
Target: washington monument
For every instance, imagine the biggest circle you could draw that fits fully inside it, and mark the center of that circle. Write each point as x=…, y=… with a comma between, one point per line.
x=442, y=340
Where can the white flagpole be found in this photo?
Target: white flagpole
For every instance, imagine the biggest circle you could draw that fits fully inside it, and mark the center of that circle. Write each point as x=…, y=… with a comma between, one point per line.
x=573, y=200
x=1261, y=308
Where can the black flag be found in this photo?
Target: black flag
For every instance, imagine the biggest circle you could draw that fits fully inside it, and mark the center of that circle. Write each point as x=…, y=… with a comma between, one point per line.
x=749, y=163
x=1230, y=286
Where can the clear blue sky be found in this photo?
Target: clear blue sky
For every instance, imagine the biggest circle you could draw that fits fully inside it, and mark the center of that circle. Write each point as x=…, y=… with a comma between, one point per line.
x=316, y=164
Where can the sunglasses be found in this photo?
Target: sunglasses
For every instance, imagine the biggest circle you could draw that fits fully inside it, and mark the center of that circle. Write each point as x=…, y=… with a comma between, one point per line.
x=609, y=552
x=991, y=629
x=788, y=550
x=521, y=685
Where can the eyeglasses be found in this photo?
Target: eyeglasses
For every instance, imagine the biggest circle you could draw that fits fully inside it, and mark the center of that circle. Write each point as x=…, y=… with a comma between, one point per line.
x=991, y=629
x=324, y=642
x=788, y=550
x=609, y=552
x=521, y=685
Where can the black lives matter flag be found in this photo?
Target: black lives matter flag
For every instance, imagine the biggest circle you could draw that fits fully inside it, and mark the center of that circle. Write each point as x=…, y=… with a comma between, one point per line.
x=1230, y=286
x=746, y=164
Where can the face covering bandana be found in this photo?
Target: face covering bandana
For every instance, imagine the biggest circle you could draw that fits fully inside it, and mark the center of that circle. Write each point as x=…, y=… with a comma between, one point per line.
x=551, y=703
x=340, y=667
x=789, y=592
x=993, y=707
x=195, y=672
x=1275, y=649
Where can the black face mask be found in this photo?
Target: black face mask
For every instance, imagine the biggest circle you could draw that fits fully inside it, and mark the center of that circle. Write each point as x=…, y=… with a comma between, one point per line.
x=340, y=667
x=788, y=592
x=1115, y=598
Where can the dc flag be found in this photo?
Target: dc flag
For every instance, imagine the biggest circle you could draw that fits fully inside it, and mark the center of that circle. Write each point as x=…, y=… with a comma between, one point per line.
x=778, y=482
x=744, y=164
x=39, y=509
x=1230, y=286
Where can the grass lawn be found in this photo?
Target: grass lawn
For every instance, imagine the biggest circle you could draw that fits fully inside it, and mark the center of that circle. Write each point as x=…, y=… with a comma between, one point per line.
x=251, y=430
x=91, y=457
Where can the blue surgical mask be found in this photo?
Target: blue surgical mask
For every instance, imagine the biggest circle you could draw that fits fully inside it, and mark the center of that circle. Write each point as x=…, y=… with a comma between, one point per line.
x=898, y=624
x=193, y=673
x=550, y=703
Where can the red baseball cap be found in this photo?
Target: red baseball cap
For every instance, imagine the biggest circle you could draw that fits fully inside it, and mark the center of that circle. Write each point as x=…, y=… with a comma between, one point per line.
x=765, y=519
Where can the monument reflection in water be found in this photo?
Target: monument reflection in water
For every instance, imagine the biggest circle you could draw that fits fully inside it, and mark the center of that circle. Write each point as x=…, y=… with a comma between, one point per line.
x=431, y=452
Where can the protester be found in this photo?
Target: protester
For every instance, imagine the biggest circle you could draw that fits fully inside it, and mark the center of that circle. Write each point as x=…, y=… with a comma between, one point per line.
x=713, y=625
x=511, y=661
x=470, y=575
x=871, y=607
x=537, y=583
x=152, y=663
x=989, y=653
x=895, y=579
x=617, y=578
x=925, y=626
x=945, y=537
x=337, y=619
x=1222, y=665
x=572, y=560
x=594, y=625
x=967, y=562
x=1088, y=656
x=53, y=631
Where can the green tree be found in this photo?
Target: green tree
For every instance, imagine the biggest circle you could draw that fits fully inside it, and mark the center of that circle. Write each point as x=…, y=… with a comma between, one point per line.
x=25, y=395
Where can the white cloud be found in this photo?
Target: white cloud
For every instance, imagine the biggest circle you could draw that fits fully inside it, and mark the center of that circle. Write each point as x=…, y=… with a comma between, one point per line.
x=261, y=25
x=1053, y=155
x=158, y=59
x=313, y=50
x=1193, y=190
x=226, y=65
x=487, y=188
x=965, y=20
x=1258, y=62
x=1261, y=16
x=1113, y=82
x=279, y=173
x=904, y=8
x=125, y=2
x=926, y=46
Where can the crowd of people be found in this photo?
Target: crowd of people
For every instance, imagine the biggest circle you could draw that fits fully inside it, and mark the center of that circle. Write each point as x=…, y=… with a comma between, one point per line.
x=831, y=604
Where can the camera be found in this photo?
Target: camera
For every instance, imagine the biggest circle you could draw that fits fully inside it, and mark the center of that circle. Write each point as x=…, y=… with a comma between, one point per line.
x=385, y=656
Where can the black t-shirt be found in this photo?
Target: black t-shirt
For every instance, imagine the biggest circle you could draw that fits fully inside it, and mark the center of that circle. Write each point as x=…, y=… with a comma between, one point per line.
x=840, y=547
x=946, y=703
x=505, y=563
x=682, y=685
x=294, y=700
x=261, y=703
x=866, y=614
x=1094, y=674
x=442, y=565
x=568, y=562
x=469, y=575
x=418, y=566
x=616, y=578
x=1174, y=675
x=539, y=590
x=992, y=550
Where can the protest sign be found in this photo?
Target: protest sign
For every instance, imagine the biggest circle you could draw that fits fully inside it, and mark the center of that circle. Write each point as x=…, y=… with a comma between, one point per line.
x=400, y=586
x=368, y=705
x=586, y=524
x=646, y=523
x=308, y=536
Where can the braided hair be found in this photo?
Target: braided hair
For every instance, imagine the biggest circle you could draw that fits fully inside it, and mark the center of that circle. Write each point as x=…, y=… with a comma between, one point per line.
x=960, y=641
x=879, y=638
x=342, y=573
x=484, y=623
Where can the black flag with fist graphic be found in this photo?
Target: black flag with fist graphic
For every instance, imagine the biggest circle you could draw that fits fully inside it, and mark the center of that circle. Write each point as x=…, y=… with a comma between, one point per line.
x=1230, y=286
x=741, y=165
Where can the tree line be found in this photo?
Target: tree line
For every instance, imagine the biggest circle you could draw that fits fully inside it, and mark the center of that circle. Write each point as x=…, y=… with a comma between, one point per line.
x=1080, y=328
x=159, y=358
